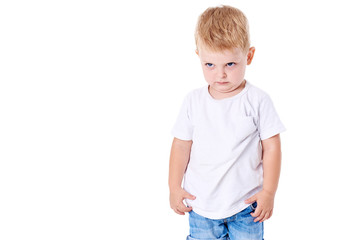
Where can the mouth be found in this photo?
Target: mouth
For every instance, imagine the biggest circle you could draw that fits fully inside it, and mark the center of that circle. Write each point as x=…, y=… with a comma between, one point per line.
x=222, y=83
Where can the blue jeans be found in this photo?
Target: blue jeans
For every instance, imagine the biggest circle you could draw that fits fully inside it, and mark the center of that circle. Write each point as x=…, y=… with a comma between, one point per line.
x=240, y=226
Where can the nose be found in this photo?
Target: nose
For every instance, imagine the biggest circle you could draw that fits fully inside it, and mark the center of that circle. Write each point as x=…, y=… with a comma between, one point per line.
x=222, y=73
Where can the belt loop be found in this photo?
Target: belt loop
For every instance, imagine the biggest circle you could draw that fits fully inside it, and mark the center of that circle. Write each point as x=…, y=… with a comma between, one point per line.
x=253, y=205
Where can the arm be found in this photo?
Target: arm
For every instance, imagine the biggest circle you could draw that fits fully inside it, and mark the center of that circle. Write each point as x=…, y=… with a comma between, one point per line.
x=179, y=158
x=271, y=166
x=271, y=163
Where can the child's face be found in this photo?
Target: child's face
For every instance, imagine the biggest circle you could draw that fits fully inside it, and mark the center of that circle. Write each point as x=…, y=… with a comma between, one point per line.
x=225, y=71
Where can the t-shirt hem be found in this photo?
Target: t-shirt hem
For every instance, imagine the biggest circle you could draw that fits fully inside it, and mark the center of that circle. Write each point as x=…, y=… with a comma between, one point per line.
x=272, y=132
x=222, y=215
x=180, y=136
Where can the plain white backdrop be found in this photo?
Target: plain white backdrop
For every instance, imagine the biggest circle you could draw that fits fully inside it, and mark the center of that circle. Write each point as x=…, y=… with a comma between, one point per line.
x=89, y=92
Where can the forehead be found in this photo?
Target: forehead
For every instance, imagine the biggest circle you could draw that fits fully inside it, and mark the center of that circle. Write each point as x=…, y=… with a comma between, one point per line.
x=225, y=56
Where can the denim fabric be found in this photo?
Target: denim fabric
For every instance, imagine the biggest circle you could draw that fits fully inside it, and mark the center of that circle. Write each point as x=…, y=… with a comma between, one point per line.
x=240, y=226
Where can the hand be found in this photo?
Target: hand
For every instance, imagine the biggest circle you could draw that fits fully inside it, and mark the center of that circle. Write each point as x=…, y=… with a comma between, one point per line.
x=176, y=201
x=265, y=205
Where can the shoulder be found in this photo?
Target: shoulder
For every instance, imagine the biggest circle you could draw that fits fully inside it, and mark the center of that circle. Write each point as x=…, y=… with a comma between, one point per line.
x=196, y=93
x=257, y=94
x=255, y=91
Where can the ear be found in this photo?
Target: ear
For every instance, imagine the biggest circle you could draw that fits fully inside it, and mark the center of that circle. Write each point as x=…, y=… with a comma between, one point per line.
x=250, y=55
x=197, y=52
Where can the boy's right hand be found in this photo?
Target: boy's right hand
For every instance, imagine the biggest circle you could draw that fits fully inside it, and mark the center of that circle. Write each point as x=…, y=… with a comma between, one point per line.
x=176, y=201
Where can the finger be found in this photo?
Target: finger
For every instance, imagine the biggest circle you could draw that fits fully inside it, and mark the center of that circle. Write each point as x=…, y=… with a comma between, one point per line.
x=256, y=213
x=271, y=213
x=251, y=200
x=265, y=217
x=182, y=208
x=260, y=217
x=189, y=196
x=178, y=212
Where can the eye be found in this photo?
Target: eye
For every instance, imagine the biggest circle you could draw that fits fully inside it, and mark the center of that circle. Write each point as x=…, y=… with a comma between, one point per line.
x=230, y=64
x=210, y=65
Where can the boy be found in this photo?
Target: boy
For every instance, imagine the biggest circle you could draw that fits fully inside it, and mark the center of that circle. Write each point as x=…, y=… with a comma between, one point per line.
x=226, y=138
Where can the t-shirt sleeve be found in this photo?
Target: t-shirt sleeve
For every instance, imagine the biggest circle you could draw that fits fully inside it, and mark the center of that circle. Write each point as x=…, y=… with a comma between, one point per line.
x=183, y=128
x=269, y=123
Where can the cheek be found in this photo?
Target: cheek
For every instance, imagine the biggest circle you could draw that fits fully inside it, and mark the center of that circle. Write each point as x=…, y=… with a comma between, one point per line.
x=209, y=76
x=238, y=73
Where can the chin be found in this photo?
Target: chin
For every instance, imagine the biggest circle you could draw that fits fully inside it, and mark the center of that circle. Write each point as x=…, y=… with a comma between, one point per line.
x=223, y=89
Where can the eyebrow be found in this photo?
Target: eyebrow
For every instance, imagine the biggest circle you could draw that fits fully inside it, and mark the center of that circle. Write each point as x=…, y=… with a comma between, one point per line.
x=225, y=63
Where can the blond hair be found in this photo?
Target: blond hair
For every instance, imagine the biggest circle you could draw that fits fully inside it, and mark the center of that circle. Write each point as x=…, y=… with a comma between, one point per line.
x=222, y=28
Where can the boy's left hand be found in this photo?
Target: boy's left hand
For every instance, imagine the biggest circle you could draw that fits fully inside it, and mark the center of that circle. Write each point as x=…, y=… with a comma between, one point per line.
x=265, y=205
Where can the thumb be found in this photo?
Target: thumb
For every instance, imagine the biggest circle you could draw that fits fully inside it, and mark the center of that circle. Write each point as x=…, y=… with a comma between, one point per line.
x=251, y=199
x=189, y=196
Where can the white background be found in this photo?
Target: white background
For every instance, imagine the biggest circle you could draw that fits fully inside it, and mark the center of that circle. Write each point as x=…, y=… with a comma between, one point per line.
x=90, y=90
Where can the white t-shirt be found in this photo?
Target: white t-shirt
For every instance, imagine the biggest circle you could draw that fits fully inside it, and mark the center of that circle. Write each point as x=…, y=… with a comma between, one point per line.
x=225, y=166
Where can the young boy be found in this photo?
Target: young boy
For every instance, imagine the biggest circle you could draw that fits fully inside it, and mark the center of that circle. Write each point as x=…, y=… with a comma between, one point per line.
x=226, y=138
